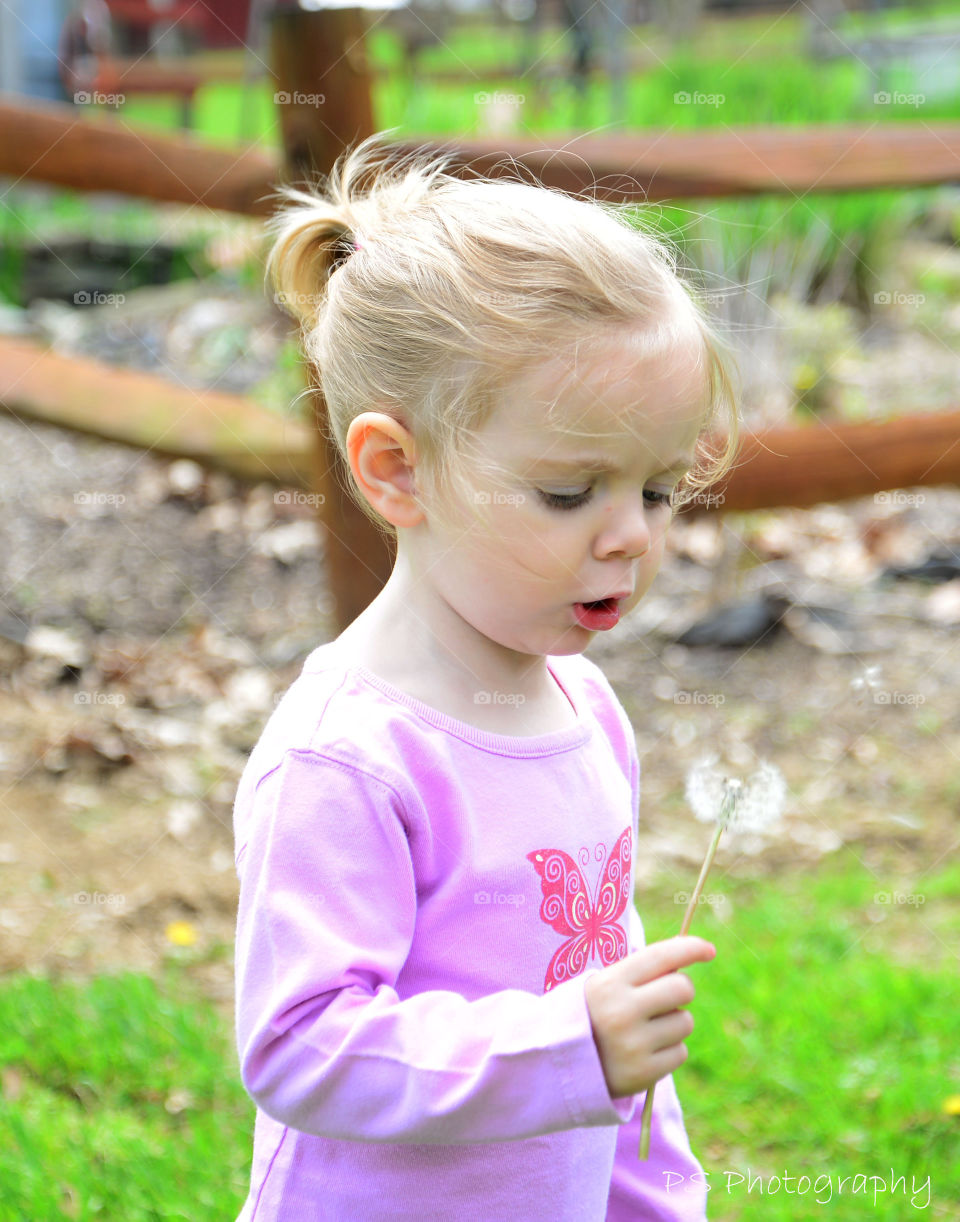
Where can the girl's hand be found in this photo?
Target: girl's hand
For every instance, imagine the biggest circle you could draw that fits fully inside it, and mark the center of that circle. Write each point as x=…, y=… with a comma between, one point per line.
x=637, y=1025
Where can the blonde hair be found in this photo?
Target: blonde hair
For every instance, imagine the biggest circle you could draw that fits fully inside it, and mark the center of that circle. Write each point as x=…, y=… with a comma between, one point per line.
x=459, y=286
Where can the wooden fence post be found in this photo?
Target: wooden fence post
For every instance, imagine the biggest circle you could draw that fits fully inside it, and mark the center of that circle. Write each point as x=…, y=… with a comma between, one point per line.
x=322, y=92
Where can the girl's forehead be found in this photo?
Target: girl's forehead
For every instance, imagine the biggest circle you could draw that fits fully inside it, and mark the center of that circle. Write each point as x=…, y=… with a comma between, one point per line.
x=627, y=361
x=612, y=389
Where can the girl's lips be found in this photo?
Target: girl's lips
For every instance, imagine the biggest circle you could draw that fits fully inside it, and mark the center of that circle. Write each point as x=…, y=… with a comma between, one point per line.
x=599, y=617
x=620, y=595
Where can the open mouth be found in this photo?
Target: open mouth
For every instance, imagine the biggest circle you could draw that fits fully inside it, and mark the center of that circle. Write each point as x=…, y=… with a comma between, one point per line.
x=598, y=616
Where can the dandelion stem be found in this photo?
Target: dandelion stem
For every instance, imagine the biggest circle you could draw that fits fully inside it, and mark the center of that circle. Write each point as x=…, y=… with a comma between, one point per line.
x=645, y=1123
x=707, y=863
x=647, y=1118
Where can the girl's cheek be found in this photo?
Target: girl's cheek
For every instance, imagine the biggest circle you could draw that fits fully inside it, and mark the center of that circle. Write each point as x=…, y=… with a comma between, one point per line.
x=655, y=558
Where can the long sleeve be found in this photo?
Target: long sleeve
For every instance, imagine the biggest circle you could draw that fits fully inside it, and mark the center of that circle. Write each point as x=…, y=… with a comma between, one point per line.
x=671, y=1185
x=327, y=915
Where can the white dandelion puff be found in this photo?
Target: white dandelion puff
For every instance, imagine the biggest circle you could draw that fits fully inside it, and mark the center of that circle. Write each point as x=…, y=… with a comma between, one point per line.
x=742, y=806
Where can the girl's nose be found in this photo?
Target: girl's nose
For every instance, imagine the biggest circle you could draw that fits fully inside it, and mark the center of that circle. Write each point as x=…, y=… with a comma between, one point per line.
x=625, y=529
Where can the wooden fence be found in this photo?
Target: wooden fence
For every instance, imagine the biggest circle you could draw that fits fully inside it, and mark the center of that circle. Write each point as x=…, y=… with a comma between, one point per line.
x=322, y=52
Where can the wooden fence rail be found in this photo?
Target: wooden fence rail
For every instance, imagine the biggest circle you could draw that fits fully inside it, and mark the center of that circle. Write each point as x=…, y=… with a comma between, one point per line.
x=228, y=432
x=317, y=52
x=50, y=142
x=779, y=466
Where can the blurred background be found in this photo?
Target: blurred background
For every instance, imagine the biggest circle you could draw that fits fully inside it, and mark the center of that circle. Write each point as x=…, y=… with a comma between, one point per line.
x=155, y=606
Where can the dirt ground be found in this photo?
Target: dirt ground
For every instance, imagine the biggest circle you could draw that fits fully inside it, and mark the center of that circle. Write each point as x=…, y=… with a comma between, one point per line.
x=153, y=614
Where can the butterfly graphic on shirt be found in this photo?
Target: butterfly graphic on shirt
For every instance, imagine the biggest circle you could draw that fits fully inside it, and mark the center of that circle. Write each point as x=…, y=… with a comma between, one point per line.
x=592, y=927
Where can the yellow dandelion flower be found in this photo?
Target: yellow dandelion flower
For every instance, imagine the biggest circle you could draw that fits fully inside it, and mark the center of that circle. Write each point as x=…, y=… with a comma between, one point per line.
x=805, y=377
x=181, y=933
x=951, y=1105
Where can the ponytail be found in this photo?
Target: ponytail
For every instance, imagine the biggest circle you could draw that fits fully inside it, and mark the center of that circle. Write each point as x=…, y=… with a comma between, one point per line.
x=313, y=237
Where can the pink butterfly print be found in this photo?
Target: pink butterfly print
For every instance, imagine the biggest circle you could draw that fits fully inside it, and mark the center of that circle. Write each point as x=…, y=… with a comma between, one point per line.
x=592, y=929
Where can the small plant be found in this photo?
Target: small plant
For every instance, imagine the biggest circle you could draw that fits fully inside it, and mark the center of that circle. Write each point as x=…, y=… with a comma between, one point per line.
x=748, y=806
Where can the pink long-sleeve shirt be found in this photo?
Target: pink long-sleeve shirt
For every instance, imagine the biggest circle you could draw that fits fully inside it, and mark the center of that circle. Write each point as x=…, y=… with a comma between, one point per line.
x=420, y=904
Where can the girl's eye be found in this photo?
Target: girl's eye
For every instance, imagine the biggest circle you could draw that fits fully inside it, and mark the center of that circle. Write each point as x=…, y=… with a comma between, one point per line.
x=562, y=500
x=567, y=500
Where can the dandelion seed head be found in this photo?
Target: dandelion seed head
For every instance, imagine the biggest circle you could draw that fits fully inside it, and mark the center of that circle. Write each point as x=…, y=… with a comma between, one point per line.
x=705, y=790
x=748, y=806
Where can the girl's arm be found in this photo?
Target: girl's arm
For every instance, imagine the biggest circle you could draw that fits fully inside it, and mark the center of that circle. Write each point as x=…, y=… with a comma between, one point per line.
x=327, y=914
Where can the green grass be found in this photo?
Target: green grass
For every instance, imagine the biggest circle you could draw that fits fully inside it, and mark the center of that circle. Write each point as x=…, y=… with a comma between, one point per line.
x=757, y=65
x=825, y=1045
x=826, y=1038
x=122, y=1101
x=783, y=87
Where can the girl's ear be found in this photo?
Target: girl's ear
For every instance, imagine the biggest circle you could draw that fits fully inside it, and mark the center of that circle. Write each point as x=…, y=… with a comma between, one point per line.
x=382, y=458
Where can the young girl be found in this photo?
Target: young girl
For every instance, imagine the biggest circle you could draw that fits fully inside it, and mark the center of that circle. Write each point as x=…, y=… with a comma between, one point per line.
x=445, y=1008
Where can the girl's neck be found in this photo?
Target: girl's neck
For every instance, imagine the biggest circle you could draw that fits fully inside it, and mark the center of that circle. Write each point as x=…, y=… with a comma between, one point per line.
x=394, y=638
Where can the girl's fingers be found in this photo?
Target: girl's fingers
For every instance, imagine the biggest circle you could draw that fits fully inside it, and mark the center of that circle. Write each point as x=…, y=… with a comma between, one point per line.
x=671, y=1029
x=666, y=1061
x=663, y=996
x=659, y=958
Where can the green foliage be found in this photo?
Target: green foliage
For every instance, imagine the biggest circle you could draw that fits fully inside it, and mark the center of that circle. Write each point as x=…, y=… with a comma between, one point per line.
x=815, y=247
x=128, y=1103
x=28, y=220
x=825, y=1044
x=283, y=390
x=826, y=1036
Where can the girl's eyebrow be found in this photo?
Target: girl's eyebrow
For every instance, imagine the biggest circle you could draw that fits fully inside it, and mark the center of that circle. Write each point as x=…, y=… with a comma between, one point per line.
x=604, y=466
